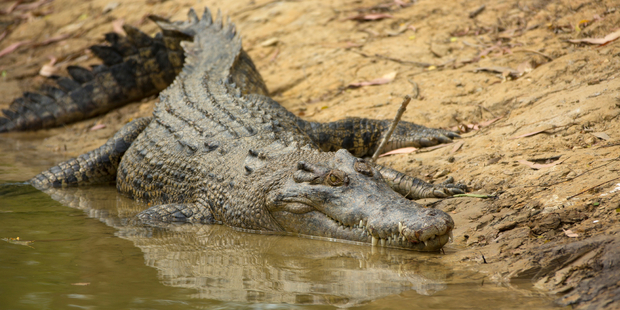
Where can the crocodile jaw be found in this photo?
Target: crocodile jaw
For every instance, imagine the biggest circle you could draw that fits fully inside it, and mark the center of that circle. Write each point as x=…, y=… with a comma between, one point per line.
x=426, y=234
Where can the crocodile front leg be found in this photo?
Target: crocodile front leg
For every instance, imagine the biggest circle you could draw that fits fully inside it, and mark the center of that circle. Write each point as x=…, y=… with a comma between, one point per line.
x=414, y=188
x=97, y=166
x=361, y=136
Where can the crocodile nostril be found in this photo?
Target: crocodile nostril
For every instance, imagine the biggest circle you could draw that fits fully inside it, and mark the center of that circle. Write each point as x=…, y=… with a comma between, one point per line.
x=432, y=212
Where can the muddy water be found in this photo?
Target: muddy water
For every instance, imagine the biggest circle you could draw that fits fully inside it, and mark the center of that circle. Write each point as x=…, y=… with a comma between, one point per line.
x=77, y=248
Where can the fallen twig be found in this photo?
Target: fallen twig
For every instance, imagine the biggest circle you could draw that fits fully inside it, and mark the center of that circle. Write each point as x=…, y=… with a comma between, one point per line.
x=432, y=148
x=399, y=114
x=477, y=11
x=474, y=196
x=11, y=48
x=11, y=8
x=593, y=187
x=529, y=134
x=400, y=61
x=536, y=166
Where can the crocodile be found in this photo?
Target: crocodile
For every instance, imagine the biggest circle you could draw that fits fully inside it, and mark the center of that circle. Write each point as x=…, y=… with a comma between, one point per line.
x=219, y=150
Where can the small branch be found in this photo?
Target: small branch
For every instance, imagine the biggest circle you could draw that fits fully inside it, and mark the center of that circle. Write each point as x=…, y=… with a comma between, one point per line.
x=400, y=61
x=582, y=174
x=477, y=11
x=399, y=114
x=593, y=187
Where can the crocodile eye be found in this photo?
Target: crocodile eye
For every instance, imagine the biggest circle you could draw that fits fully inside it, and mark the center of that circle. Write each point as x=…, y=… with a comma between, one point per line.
x=337, y=178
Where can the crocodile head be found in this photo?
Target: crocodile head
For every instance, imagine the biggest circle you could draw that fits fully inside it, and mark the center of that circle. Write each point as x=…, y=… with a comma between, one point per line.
x=346, y=198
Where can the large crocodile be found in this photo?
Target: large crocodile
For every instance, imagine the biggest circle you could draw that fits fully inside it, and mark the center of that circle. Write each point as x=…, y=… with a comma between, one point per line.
x=218, y=150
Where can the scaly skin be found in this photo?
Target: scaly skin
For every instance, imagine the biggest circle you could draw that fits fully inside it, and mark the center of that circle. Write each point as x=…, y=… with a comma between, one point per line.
x=213, y=154
x=361, y=136
x=138, y=66
x=134, y=67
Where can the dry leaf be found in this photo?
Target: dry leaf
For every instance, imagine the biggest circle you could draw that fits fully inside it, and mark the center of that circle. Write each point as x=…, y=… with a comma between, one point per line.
x=608, y=38
x=569, y=233
x=601, y=135
x=71, y=28
x=32, y=6
x=457, y=146
x=365, y=17
x=489, y=122
x=11, y=8
x=52, y=40
x=269, y=42
x=97, y=127
x=380, y=81
x=401, y=3
x=48, y=69
x=117, y=26
x=536, y=166
x=11, y=48
x=405, y=150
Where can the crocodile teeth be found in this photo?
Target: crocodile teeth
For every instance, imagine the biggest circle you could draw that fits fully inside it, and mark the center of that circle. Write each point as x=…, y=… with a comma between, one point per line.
x=425, y=243
x=400, y=227
x=361, y=223
x=451, y=236
x=374, y=241
x=382, y=241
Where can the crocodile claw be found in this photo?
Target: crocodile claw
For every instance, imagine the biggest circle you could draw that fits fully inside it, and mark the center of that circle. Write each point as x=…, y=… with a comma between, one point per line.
x=451, y=188
x=440, y=193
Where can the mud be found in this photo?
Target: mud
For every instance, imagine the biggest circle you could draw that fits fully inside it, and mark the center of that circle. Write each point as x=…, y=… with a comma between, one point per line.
x=552, y=225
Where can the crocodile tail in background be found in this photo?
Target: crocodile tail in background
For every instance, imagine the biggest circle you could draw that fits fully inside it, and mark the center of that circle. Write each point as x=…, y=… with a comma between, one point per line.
x=230, y=62
x=134, y=67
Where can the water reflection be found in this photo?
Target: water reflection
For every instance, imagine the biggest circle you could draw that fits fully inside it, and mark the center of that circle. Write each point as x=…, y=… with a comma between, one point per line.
x=227, y=265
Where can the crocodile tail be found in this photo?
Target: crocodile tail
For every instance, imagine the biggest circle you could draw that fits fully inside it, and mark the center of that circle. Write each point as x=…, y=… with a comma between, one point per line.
x=215, y=51
x=95, y=167
x=134, y=67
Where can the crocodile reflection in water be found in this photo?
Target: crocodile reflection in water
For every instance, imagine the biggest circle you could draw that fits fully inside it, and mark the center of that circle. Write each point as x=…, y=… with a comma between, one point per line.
x=226, y=265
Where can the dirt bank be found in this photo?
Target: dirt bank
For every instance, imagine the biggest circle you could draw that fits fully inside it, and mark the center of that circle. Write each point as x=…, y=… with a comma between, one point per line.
x=547, y=159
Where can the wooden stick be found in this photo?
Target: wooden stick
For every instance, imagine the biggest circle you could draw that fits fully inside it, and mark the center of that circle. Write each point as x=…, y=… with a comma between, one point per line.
x=399, y=114
x=593, y=187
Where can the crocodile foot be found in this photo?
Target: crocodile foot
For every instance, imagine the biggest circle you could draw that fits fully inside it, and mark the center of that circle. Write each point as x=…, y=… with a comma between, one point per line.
x=418, y=136
x=447, y=188
x=414, y=188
